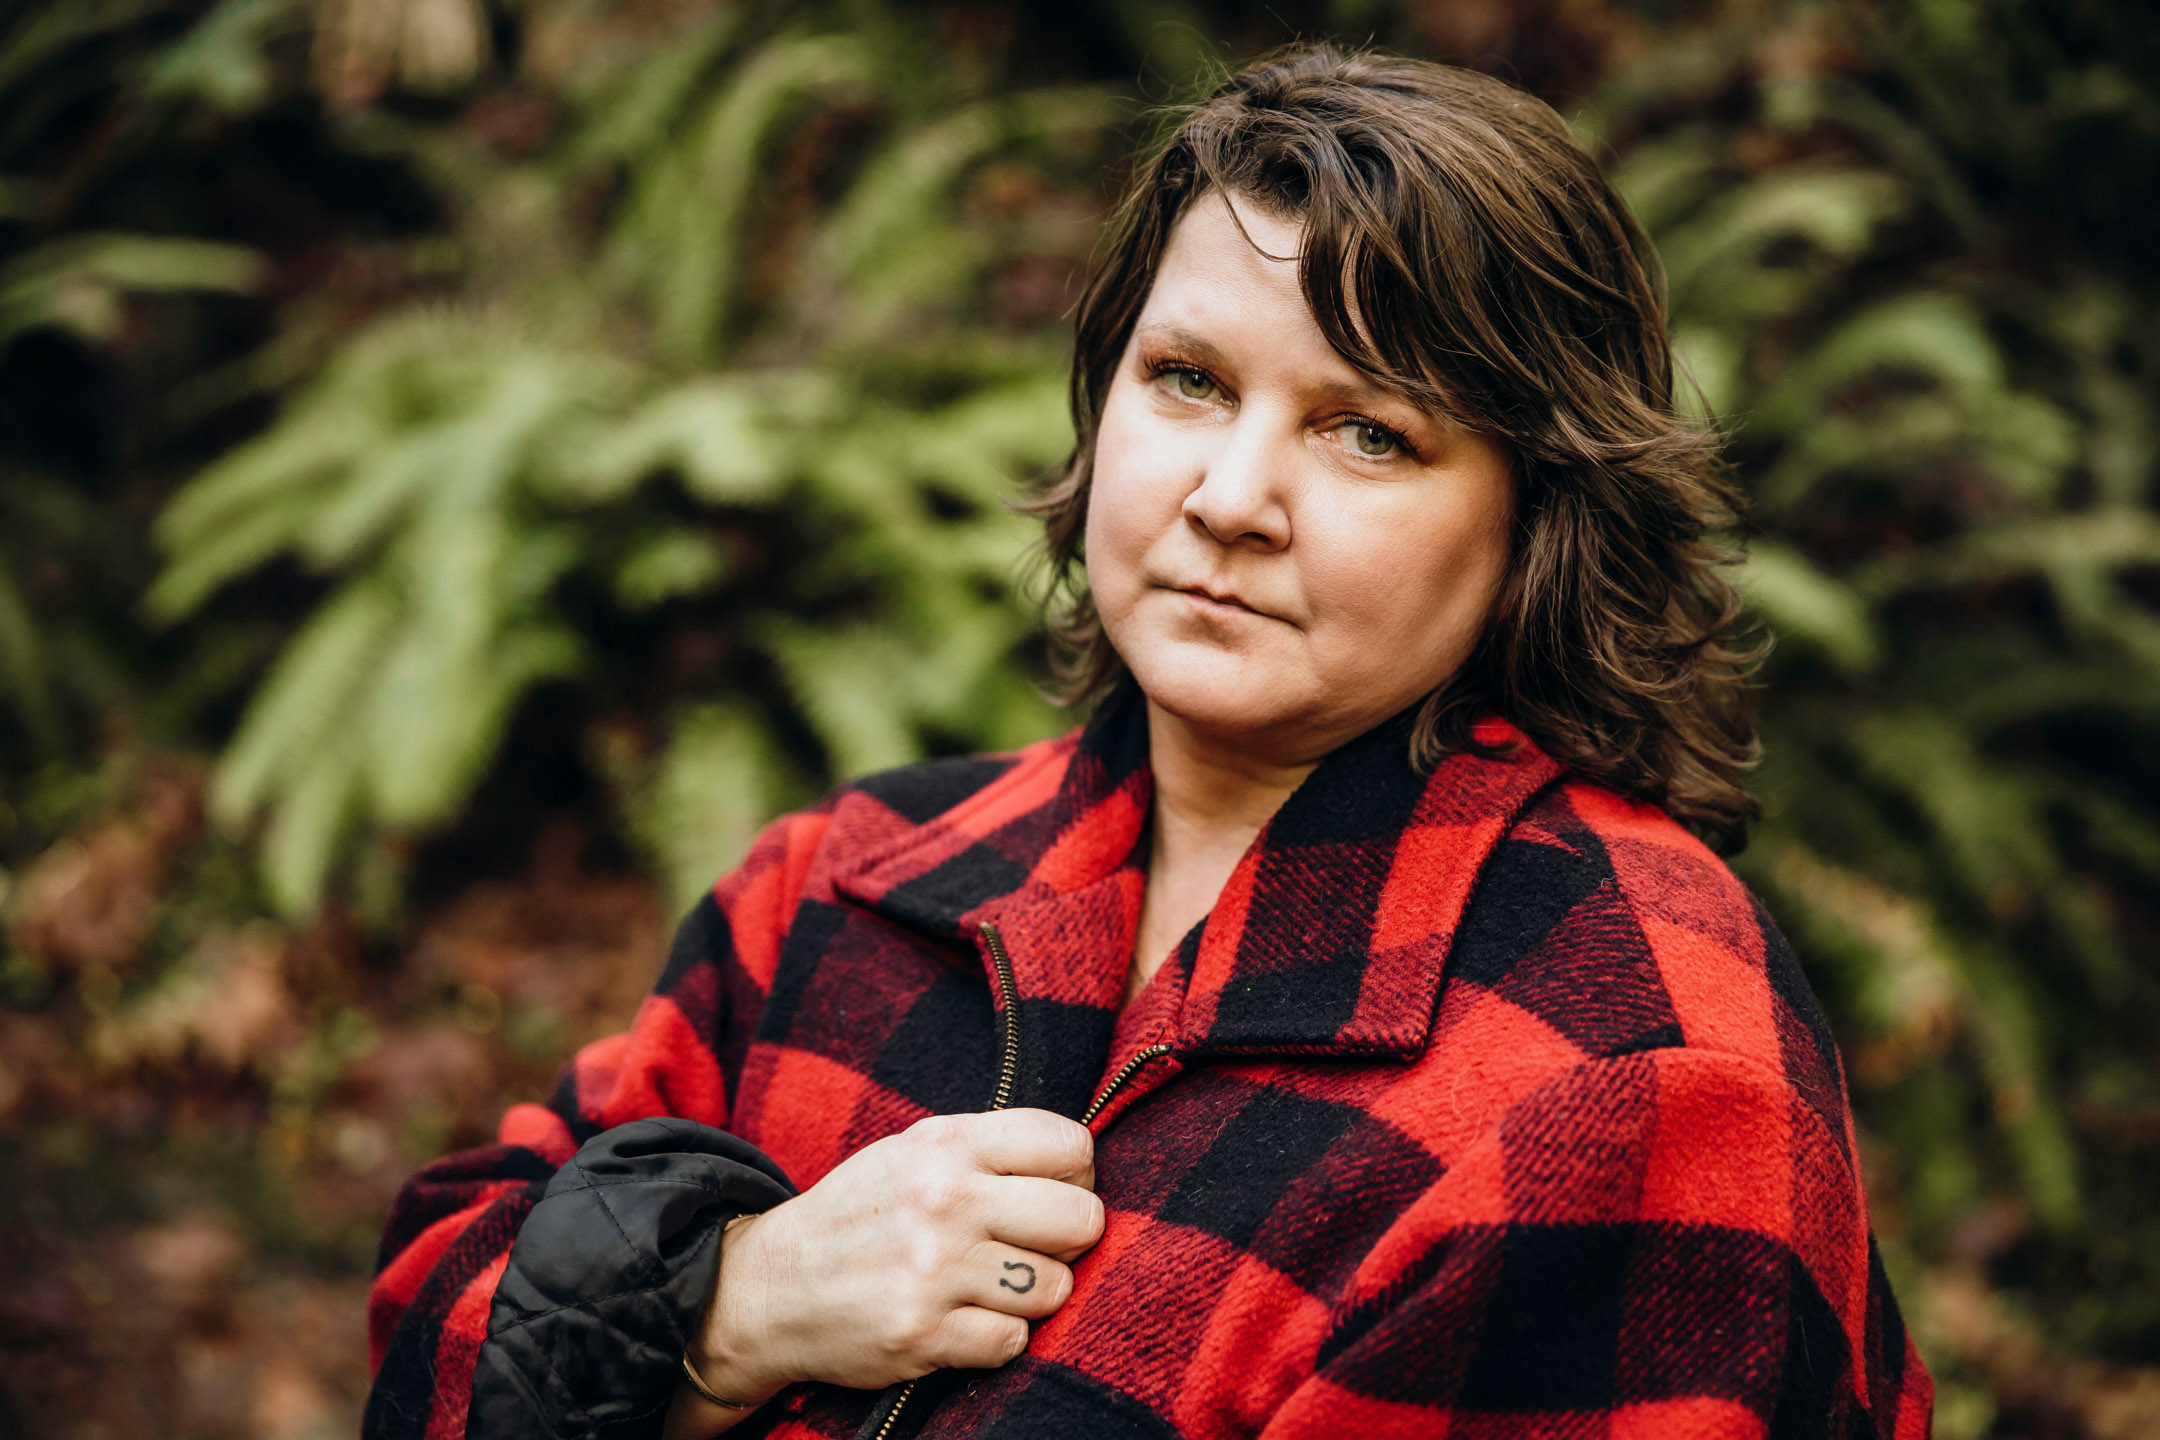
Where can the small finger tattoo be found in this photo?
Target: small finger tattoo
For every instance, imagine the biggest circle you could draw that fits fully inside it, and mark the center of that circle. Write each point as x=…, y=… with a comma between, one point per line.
x=1019, y=1265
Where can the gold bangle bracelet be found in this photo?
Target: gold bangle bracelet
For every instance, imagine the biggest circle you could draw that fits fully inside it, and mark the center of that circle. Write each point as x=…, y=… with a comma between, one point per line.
x=697, y=1383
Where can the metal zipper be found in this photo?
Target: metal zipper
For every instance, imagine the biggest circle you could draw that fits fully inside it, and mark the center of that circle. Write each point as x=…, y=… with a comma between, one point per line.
x=1117, y=1081
x=893, y=1414
x=1004, y=1098
x=1009, y=996
x=1008, y=1077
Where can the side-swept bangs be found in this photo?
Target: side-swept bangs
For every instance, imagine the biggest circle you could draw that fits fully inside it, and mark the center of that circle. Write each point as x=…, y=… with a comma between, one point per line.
x=1461, y=249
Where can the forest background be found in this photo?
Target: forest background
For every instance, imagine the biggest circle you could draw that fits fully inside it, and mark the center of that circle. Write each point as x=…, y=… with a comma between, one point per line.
x=465, y=462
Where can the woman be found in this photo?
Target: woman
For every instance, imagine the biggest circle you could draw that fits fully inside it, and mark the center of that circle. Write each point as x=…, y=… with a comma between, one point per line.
x=1341, y=1034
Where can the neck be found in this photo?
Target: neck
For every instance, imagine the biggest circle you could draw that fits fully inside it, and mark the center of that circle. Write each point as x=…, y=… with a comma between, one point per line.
x=1209, y=785
x=1212, y=796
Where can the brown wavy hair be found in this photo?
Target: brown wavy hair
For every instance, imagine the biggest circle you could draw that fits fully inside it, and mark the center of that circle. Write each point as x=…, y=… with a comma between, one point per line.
x=1461, y=249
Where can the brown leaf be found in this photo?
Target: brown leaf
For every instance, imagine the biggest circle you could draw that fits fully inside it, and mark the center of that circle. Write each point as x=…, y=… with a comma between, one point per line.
x=582, y=948
x=192, y=1260
x=2124, y=1405
x=289, y=1403
x=37, y=1069
x=435, y=1068
x=228, y=1007
x=89, y=901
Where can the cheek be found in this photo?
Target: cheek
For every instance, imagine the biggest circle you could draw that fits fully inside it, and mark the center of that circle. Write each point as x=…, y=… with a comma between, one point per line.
x=1128, y=500
x=1445, y=570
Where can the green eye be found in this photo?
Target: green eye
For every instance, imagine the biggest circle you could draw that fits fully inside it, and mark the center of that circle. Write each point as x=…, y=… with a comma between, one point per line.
x=1192, y=384
x=1372, y=441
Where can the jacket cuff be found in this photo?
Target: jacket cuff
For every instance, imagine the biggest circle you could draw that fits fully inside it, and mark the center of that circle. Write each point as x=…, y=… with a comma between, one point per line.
x=609, y=1275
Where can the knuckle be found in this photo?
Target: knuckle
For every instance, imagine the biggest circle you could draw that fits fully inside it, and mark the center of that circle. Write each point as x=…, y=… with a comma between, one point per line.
x=1045, y=1288
x=1071, y=1142
x=925, y=1259
x=913, y=1325
x=959, y=1343
x=927, y=1131
x=947, y=1132
x=1043, y=1292
x=984, y=1340
x=940, y=1194
x=1079, y=1221
x=1092, y=1218
x=1082, y=1141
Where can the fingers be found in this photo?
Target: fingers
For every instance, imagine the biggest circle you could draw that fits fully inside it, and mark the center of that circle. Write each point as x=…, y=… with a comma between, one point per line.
x=1013, y=1281
x=1028, y=1142
x=972, y=1338
x=1049, y=1217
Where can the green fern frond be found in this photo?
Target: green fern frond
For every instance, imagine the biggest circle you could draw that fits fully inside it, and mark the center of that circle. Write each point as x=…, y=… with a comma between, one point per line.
x=719, y=778
x=438, y=712
x=79, y=284
x=1936, y=336
x=23, y=667
x=1983, y=822
x=691, y=204
x=854, y=687
x=733, y=439
x=2059, y=544
x=223, y=59
x=631, y=107
x=1804, y=604
x=300, y=843
x=666, y=567
x=1665, y=178
x=1717, y=263
x=314, y=441
x=48, y=31
x=314, y=690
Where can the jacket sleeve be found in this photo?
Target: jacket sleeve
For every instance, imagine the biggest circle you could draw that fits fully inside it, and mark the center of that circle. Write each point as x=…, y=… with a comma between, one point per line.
x=607, y=1280
x=450, y=1233
x=1669, y=1244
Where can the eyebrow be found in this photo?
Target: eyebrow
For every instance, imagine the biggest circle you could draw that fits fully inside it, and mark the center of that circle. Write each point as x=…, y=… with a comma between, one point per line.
x=1166, y=332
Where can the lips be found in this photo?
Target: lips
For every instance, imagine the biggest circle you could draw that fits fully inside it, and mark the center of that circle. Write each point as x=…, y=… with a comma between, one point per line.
x=1224, y=598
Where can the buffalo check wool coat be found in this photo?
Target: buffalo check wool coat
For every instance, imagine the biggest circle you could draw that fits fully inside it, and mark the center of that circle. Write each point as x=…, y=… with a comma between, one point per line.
x=1482, y=1104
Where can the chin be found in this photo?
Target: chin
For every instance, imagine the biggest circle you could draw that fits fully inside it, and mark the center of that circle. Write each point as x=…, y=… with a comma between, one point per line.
x=1218, y=693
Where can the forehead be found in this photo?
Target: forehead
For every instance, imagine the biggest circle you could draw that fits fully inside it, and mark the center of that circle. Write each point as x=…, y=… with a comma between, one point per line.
x=1226, y=259
x=1223, y=228
x=1228, y=284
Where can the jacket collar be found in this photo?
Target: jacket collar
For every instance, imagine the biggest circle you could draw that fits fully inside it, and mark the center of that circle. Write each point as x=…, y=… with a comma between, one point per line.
x=1330, y=938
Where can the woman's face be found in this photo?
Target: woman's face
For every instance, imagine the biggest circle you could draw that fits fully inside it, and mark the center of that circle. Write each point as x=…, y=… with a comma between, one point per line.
x=1282, y=553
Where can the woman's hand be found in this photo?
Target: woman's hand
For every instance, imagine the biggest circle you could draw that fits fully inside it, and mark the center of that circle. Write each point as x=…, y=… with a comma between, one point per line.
x=929, y=1249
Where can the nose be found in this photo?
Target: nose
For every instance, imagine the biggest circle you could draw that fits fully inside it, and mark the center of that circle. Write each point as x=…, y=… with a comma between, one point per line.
x=1241, y=498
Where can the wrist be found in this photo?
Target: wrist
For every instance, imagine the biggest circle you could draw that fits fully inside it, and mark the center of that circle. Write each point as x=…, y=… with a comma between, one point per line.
x=727, y=1350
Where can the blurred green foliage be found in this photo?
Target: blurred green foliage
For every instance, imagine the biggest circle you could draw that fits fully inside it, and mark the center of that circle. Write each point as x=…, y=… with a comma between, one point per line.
x=777, y=406
x=1910, y=284
x=630, y=392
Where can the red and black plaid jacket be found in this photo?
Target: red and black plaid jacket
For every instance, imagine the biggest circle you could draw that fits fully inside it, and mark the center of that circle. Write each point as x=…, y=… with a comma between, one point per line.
x=1495, y=1106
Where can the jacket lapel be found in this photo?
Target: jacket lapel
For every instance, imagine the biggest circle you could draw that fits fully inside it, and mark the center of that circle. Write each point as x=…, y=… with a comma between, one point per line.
x=1050, y=854
x=1035, y=840
x=1330, y=938
x=1333, y=933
